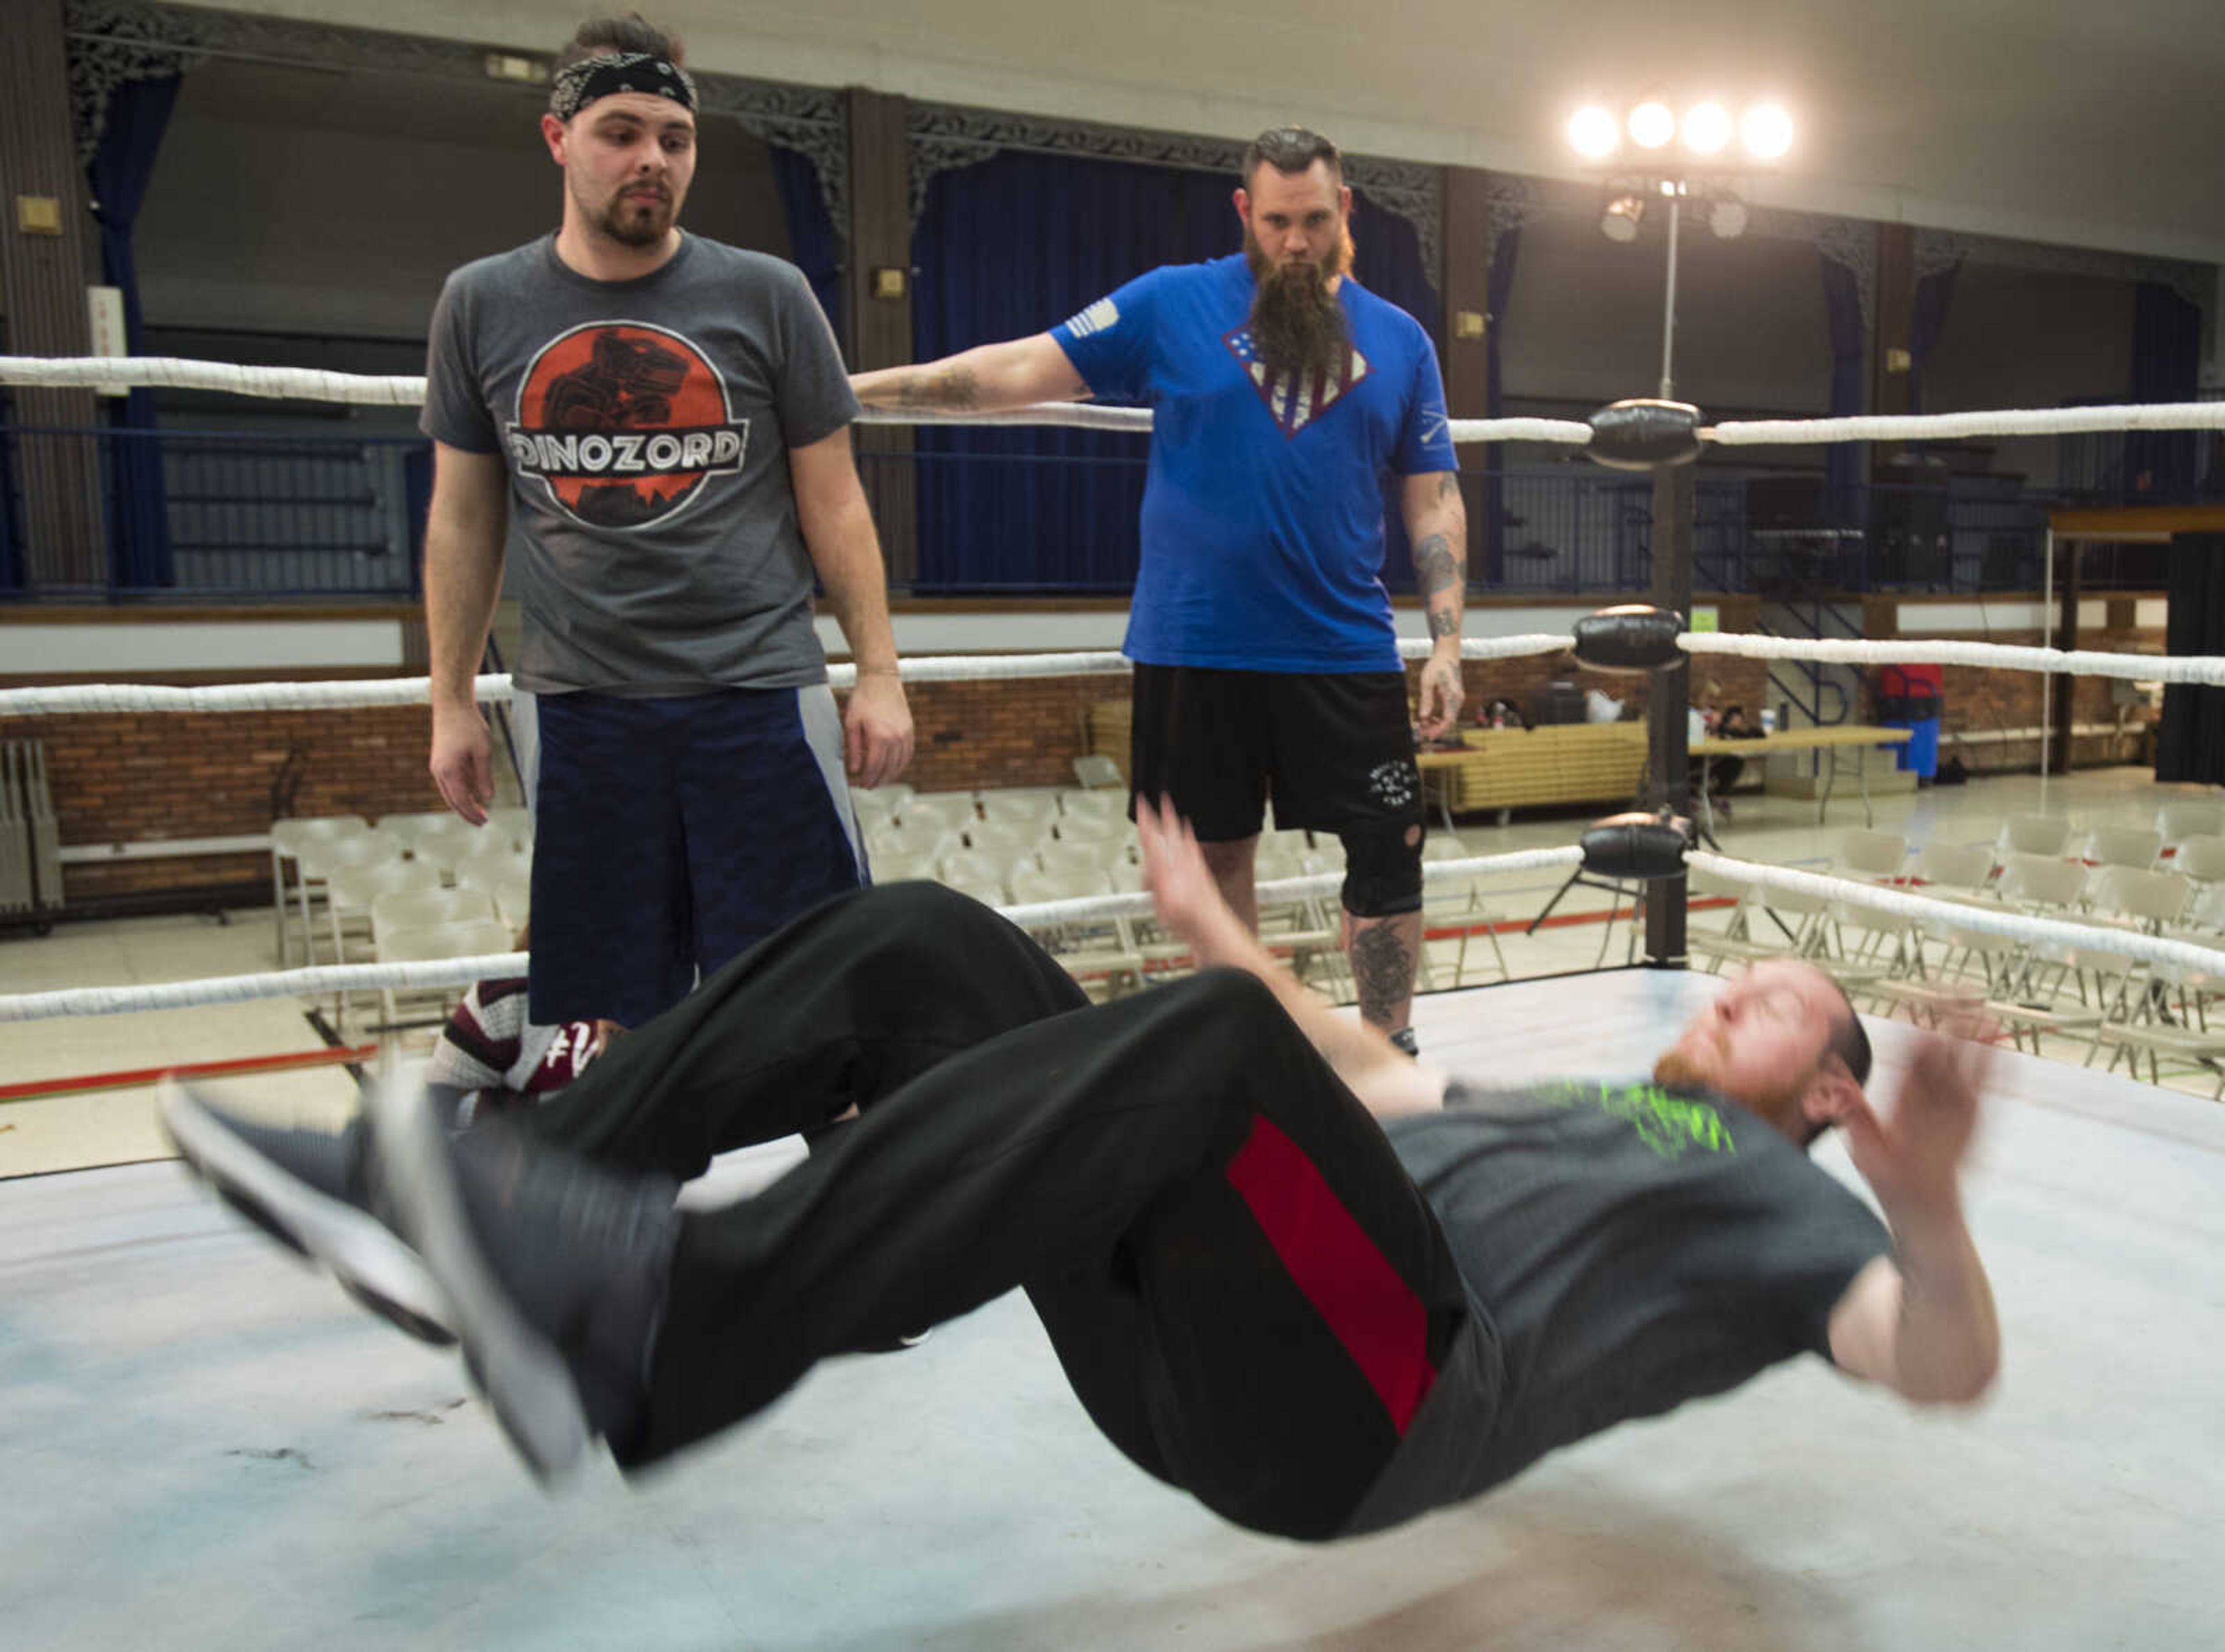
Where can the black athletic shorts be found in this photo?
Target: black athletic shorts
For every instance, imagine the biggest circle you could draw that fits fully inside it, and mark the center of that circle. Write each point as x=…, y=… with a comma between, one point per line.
x=1335, y=751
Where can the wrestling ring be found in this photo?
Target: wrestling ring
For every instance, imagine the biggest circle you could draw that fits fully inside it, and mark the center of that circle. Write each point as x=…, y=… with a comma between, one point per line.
x=180, y=1458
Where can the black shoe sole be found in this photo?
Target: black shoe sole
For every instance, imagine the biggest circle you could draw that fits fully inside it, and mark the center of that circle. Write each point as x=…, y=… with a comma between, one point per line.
x=525, y=1378
x=369, y=1261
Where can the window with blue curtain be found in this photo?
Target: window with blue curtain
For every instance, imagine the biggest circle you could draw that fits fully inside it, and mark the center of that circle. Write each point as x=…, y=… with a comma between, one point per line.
x=1011, y=247
x=138, y=507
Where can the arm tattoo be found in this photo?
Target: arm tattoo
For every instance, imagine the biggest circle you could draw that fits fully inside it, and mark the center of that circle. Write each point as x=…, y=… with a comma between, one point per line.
x=1439, y=568
x=1382, y=970
x=1447, y=483
x=954, y=388
x=1444, y=623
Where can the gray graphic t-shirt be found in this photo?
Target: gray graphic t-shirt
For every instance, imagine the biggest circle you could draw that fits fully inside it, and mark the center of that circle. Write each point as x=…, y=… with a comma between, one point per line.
x=646, y=425
x=1627, y=1248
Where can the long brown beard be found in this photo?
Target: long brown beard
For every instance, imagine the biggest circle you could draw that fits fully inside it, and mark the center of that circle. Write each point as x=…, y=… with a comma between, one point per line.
x=1297, y=325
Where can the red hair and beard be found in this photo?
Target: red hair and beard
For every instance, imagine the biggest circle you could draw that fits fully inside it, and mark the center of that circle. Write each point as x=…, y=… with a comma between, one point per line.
x=1677, y=1069
x=1297, y=325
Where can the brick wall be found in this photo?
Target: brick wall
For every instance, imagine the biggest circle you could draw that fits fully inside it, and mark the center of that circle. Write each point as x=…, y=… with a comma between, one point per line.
x=135, y=778
x=1981, y=699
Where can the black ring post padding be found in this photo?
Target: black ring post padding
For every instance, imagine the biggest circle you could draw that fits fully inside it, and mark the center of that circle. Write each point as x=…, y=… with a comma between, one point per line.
x=1644, y=435
x=1631, y=636
x=1633, y=848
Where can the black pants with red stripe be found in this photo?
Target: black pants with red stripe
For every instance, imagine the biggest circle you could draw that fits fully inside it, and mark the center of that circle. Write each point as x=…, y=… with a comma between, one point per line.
x=1248, y=1294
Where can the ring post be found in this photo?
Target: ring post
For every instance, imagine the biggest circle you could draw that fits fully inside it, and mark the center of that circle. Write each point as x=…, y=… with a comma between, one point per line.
x=1663, y=437
x=1670, y=752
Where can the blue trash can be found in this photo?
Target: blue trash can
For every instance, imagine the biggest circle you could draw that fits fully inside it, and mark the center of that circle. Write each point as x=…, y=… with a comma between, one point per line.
x=1908, y=698
x=1922, y=751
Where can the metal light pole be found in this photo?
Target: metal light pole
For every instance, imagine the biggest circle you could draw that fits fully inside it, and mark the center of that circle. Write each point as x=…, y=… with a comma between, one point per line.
x=1676, y=194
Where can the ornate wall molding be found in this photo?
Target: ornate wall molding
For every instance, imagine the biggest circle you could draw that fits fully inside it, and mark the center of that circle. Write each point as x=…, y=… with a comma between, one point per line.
x=1937, y=249
x=111, y=41
x=946, y=137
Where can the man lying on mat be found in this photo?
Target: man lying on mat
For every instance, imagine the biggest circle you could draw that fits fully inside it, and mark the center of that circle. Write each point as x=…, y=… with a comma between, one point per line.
x=1320, y=1287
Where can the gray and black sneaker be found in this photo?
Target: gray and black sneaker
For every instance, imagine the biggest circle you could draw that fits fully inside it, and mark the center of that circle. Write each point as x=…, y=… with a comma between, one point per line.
x=554, y=1271
x=310, y=1190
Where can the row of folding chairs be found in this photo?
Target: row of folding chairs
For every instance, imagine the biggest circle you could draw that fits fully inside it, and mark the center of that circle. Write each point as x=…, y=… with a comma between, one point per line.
x=451, y=850
x=1934, y=966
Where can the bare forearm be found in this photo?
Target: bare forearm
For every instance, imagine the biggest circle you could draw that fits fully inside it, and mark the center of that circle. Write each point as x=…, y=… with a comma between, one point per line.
x=847, y=551
x=988, y=378
x=1950, y=1344
x=1438, y=533
x=463, y=582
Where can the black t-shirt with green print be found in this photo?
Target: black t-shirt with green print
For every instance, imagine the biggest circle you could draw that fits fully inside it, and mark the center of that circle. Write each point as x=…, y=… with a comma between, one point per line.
x=1632, y=1248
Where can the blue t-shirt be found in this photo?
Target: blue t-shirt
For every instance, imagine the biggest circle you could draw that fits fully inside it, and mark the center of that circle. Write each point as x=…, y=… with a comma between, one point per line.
x=1263, y=511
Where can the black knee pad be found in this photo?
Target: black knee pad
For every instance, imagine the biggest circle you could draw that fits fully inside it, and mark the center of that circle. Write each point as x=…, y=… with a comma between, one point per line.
x=1382, y=869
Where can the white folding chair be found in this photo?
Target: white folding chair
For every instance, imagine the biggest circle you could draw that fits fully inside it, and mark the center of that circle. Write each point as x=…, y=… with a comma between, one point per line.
x=2133, y=846
x=2034, y=834
x=2175, y=822
x=943, y=810
x=2201, y=859
x=469, y=937
x=427, y=909
x=287, y=838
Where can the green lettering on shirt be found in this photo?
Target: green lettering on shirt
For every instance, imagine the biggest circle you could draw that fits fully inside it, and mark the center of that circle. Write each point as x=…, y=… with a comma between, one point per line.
x=1670, y=1125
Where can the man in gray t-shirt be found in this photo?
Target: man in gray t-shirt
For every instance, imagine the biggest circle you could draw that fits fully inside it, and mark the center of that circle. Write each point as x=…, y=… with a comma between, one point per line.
x=663, y=421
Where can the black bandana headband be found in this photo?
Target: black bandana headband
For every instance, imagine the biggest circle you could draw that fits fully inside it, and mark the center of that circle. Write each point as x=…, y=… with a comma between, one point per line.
x=577, y=85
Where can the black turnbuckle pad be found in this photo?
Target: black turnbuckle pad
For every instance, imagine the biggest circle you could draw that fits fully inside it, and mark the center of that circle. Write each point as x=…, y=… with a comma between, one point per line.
x=1634, y=848
x=1632, y=637
x=1644, y=434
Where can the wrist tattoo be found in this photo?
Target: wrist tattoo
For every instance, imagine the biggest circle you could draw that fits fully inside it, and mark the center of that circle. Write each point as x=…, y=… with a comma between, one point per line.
x=1437, y=566
x=1443, y=622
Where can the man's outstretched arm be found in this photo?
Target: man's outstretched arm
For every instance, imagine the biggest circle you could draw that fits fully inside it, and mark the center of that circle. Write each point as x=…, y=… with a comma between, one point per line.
x=1921, y=1320
x=989, y=378
x=1384, y=1079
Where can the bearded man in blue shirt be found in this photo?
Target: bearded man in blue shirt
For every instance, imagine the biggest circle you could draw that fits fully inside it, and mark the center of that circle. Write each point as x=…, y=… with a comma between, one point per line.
x=1266, y=657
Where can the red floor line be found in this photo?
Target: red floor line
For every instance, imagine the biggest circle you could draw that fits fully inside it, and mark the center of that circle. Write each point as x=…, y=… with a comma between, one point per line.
x=232, y=1068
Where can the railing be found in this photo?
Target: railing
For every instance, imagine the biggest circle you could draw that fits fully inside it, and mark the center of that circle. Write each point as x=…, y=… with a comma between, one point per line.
x=2141, y=468
x=260, y=515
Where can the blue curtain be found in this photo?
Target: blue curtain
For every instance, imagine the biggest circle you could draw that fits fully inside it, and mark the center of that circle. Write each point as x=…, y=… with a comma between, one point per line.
x=138, y=510
x=811, y=233
x=1498, y=293
x=1014, y=245
x=1927, y=319
x=1009, y=247
x=2167, y=367
x=11, y=561
x=1842, y=461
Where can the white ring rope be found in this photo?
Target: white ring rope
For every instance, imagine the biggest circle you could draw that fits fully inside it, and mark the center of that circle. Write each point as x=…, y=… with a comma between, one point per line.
x=2140, y=667
x=170, y=373
x=310, y=384
x=462, y=971
x=1989, y=920
x=81, y=697
x=1948, y=427
x=269, y=983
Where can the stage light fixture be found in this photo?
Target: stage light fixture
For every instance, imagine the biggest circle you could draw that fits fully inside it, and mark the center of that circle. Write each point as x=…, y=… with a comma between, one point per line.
x=1652, y=124
x=1623, y=216
x=1767, y=131
x=1593, y=133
